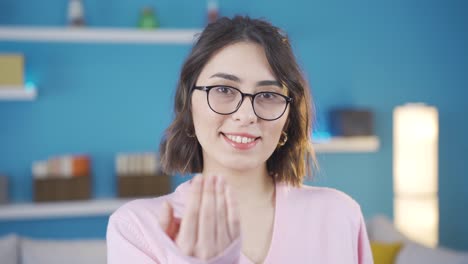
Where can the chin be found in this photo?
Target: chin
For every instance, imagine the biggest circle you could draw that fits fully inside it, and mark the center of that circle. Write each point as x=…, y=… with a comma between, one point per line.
x=241, y=164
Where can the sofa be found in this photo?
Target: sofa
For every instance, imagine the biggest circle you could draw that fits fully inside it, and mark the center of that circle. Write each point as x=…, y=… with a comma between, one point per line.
x=22, y=250
x=381, y=230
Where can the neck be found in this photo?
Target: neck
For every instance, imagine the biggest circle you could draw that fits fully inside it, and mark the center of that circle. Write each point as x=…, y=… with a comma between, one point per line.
x=251, y=188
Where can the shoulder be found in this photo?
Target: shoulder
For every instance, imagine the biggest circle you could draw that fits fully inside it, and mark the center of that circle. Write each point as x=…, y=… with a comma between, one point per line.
x=324, y=200
x=145, y=211
x=323, y=195
x=135, y=226
x=139, y=210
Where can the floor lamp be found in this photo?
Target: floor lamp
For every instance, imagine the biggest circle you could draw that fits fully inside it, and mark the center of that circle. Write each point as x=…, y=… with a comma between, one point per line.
x=415, y=170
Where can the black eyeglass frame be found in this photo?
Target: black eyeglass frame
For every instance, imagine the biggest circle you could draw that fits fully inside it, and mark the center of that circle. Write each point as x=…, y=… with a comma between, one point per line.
x=243, y=95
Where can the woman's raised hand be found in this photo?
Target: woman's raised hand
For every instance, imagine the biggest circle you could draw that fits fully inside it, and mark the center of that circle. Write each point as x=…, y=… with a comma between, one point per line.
x=211, y=220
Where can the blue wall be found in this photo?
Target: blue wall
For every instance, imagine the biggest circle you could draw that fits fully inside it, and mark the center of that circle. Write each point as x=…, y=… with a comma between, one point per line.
x=102, y=99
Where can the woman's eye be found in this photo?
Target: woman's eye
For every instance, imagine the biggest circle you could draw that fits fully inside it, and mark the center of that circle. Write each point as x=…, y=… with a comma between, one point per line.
x=268, y=95
x=224, y=90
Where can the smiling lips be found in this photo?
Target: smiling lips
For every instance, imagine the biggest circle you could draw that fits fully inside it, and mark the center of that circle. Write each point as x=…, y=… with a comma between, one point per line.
x=241, y=141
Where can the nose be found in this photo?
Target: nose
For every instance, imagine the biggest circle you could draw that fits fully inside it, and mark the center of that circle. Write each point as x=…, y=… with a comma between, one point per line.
x=245, y=113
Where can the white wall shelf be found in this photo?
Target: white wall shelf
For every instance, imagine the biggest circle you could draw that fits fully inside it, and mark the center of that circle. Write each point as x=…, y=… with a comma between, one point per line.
x=98, y=35
x=17, y=93
x=62, y=209
x=347, y=144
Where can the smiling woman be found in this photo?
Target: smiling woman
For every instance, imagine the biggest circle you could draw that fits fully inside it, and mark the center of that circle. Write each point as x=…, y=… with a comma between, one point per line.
x=242, y=123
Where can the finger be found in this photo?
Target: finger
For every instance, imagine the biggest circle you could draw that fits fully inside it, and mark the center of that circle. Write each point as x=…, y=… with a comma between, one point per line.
x=233, y=214
x=164, y=216
x=187, y=237
x=222, y=228
x=174, y=224
x=206, y=243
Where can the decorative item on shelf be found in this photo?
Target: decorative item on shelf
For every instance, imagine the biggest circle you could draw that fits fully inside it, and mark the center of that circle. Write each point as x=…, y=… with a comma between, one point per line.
x=75, y=13
x=138, y=175
x=213, y=11
x=148, y=19
x=3, y=189
x=415, y=166
x=351, y=122
x=11, y=71
x=62, y=178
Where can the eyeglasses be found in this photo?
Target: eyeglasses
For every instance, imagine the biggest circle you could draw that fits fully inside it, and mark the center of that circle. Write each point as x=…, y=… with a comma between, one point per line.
x=226, y=100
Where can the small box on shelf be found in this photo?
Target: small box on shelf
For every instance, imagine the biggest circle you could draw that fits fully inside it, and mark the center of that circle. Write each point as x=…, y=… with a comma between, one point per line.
x=143, y=185
x=351, y=122
x=62, y=189
x=139, y=175
x=11, y=71
x=3, y=189
x=62, y=178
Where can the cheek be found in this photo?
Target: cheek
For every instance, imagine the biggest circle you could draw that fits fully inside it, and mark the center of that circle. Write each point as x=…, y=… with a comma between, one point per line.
x=275, y=132
x=205, y=121
x=280, y=125
x=199, y=108
x=276, y=129
x=273, y=129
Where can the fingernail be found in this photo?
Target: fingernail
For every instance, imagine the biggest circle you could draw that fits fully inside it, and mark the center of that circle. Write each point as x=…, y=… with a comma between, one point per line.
x=221, y=180
x=197, y=179
x=164, y=212
x=208, y=180
x=166, y=206
x=220, y=184
x=229, y=191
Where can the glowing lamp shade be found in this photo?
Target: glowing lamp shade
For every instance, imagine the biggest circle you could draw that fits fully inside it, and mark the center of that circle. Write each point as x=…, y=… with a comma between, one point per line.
x=415, y=166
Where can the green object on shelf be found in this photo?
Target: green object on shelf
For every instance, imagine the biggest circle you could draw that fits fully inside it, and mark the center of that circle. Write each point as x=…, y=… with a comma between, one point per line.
x=148, y=19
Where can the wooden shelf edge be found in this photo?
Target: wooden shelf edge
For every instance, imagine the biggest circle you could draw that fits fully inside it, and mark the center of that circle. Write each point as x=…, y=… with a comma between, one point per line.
x=62, y=209
x=98, y=35
x=17, y=93
x=347, y=144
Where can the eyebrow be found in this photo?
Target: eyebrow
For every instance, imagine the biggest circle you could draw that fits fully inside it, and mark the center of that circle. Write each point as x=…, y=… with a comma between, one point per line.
x=234, y=78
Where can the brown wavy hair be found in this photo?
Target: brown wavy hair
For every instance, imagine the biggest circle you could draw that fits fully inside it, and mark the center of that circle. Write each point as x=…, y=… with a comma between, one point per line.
x=181, y=153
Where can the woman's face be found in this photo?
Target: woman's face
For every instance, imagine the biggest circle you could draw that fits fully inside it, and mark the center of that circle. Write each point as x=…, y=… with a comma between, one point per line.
x=239, y=141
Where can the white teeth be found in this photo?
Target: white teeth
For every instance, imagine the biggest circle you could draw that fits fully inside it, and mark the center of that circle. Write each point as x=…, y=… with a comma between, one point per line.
x=239, y=139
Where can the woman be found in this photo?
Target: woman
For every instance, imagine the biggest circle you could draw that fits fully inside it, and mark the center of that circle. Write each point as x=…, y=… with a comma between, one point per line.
x=242, y=122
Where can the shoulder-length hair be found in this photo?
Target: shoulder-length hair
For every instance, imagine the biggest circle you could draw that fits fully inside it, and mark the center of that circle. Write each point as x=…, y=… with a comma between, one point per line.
x=180, y=151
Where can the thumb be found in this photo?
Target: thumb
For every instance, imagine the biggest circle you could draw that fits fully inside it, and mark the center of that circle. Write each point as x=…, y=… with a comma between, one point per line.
x=167, y=221
x=164, y=216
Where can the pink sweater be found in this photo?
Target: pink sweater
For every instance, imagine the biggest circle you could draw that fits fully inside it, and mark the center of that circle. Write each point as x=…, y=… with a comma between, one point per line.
x=312, y=225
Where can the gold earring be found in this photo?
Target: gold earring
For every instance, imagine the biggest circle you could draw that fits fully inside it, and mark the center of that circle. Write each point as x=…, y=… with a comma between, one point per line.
x=283, y=139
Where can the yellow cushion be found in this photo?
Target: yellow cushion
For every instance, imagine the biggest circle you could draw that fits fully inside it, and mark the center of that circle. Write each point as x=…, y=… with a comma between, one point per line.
x=385, y=253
